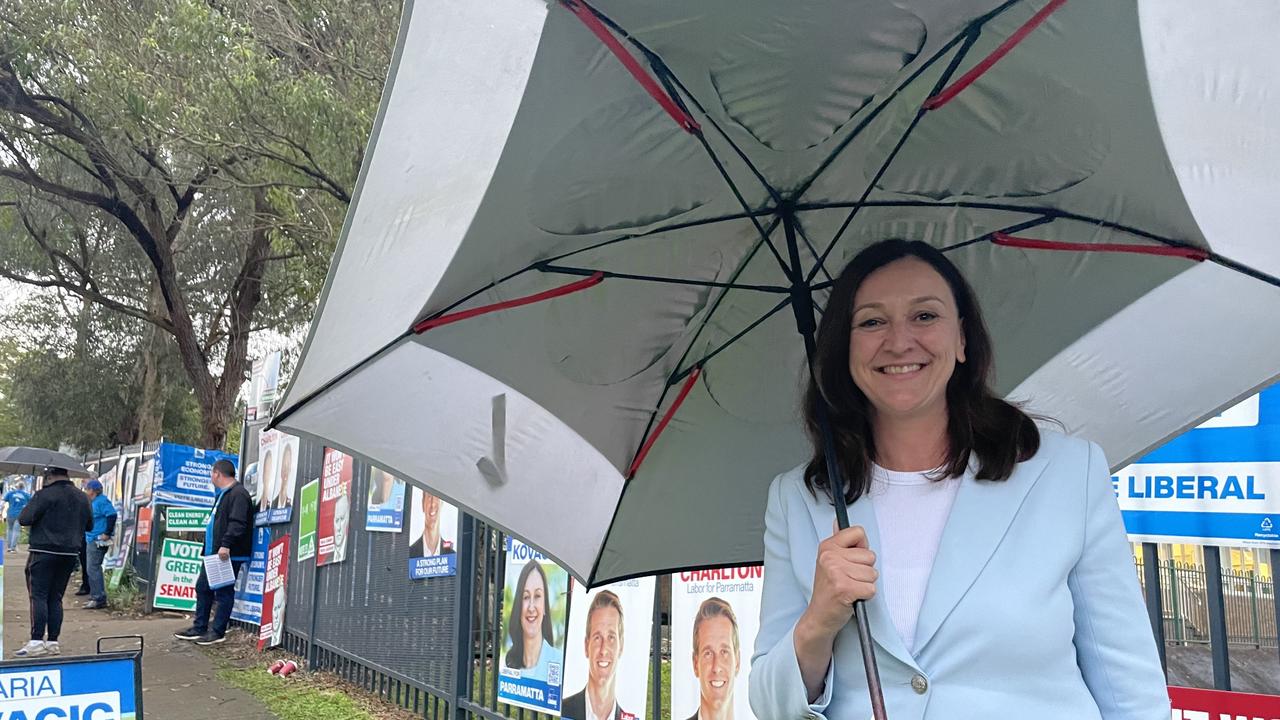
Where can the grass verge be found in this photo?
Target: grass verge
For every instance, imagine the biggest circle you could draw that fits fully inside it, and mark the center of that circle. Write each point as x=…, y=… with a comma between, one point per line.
x=292, y=700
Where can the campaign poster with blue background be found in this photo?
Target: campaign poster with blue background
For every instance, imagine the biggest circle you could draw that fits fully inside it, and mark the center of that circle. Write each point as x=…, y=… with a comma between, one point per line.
x=384, y=511
x=182, y=477
x=535, y=608
x=247, y=606
x=88, y=689
x=1218, y=484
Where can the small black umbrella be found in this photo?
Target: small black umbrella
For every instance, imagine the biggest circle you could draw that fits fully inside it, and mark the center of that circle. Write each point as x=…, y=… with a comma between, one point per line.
x=33, y=461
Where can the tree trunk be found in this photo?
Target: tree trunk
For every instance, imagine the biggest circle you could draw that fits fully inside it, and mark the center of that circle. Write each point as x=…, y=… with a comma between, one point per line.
x=155, y=346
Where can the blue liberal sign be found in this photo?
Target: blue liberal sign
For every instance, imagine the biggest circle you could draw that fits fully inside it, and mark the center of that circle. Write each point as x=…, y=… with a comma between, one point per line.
x=1218, y=484
x=95, y=687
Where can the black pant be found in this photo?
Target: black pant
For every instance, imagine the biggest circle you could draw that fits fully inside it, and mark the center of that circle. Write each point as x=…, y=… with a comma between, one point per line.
x=205, y=596
x=84, y=570
x=47, y=576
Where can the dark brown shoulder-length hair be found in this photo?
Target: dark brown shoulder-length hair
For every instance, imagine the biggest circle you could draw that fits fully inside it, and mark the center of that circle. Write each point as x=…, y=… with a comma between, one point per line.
x=515, y=656
x=997, y=432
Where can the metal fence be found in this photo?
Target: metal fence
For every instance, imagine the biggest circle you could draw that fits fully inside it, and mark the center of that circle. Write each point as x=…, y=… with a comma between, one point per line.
x=432, y=646
x=1249, y=602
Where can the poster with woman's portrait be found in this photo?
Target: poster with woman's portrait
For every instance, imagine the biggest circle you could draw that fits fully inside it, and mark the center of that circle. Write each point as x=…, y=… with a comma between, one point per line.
x=277, y=476
x=714, y=618
x=334, y=524
x=606, y=664
x=384, y=511
x=433, y=525
x=535, y=603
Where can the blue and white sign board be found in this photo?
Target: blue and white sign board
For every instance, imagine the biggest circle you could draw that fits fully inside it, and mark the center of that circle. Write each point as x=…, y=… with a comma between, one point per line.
x=1218, y=484
x=182, y=475
x=93, y=687
x=247, y=606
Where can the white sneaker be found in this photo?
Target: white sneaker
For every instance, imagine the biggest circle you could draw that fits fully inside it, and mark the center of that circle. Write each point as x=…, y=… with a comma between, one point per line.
x=33, y=648
x=51, y=647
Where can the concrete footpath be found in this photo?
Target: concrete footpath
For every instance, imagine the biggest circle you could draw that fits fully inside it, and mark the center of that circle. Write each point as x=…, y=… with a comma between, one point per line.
x=179, y=680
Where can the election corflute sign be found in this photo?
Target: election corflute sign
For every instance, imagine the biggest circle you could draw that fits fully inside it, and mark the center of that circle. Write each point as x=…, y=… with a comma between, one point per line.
x=94, y=687
x=1218, y=484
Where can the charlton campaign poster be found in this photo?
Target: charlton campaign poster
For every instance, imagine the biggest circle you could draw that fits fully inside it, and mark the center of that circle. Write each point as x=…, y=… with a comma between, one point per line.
x=608, y=650
x=277, y=476
x=335, y=507
x=433, y=525
x=274, y=597
x=711, y=656
x=534, y=607
x=384, y=511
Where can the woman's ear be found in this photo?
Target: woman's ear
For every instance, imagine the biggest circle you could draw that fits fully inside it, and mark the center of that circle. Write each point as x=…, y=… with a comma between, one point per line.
x=960, y=352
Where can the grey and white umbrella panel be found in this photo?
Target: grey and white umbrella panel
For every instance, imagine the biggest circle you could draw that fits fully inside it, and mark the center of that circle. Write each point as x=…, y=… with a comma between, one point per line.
x=619, y=264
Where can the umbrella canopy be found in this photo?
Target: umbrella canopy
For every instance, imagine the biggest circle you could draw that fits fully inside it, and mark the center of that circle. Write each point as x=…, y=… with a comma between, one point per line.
x=33, y=461
x=568, y=291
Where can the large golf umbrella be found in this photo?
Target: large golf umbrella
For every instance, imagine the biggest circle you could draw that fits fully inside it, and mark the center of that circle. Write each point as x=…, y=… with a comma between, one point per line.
x=568, y=292
x=33, y=461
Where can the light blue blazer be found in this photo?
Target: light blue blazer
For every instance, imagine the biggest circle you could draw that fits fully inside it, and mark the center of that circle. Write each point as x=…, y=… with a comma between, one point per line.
x=1033, y=609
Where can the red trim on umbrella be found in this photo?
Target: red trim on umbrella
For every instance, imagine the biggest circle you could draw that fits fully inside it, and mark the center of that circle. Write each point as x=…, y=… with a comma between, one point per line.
x=588, y=18
x=671, y=411
x=967, y=79
x=425, y=325
x=1189, y=253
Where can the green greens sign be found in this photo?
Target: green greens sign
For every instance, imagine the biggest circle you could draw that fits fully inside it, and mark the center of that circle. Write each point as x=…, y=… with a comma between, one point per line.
x=180, y=565
x=309, y=502
x=187, y=519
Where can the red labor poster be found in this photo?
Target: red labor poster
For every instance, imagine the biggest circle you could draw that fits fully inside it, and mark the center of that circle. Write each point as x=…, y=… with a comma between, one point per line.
x=274, y=595
x=335, y=507
x=1199, y=704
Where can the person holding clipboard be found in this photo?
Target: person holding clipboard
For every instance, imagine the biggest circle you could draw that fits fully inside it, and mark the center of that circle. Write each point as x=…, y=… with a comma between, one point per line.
x=229, y=536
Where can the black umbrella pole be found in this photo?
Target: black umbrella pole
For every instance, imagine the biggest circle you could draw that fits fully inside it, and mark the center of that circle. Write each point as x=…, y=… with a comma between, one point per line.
x=836, y=485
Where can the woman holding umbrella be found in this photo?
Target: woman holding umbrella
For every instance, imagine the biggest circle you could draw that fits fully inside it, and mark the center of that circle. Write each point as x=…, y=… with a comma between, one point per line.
x=991, y=554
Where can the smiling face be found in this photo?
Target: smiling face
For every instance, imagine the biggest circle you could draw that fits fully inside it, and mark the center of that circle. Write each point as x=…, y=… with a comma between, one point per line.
x=715, y=660
x=533, y=607
x=430, y=513
x=906, y=340
x=603, y=645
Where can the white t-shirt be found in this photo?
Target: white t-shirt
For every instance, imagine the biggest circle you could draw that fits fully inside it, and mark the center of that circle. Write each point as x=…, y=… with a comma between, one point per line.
x=911, y=511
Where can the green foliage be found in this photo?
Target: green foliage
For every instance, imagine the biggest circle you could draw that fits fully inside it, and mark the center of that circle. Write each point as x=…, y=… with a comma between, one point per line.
x=292, y=698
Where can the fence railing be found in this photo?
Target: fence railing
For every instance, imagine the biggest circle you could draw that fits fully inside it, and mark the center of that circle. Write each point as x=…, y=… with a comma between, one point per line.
x=1249, y=602
x=433, y=647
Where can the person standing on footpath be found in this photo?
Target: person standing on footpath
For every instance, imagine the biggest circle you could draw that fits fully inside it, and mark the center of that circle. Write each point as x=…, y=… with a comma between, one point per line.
x=230, y=533
x=58, y=516
x=16, y=499
x=97, y=541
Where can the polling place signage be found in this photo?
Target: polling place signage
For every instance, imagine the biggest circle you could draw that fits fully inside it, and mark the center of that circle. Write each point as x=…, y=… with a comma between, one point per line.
x=183, y=475
x=92, y=687
x=1218, y=484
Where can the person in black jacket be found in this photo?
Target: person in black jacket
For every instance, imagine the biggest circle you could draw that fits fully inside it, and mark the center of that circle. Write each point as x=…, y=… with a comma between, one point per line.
x=230, y=534
x=58, y=516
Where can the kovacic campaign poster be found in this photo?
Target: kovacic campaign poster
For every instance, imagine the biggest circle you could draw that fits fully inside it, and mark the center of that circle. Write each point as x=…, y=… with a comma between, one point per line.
x=606, y=665
x=384, y=511
x=433, y=525
x=714, y=618
x=334, y=521
x=1218, y=484
x=86, y=688
x=535, y=604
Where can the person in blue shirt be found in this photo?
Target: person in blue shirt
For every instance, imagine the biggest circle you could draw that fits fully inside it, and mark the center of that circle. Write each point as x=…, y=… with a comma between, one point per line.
x=96, y=543
x=17, y=498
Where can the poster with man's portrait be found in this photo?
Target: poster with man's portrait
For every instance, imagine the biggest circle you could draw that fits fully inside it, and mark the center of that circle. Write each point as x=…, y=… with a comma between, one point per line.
x=277, y=476
x=535, y=603
x=610, y=639
x=334, y=517
x=433, y=525
x=274, y=594
x=714, y=618
x=385, y=509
